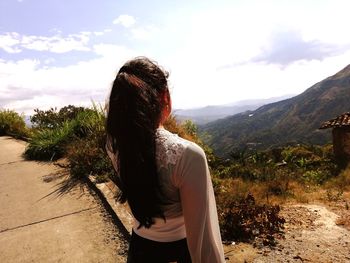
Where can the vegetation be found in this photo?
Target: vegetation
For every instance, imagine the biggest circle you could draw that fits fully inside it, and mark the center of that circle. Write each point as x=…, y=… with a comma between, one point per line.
x=11, y=123
x=49, y=144
x=86, y=154
x=245, y=220
x=247, y=184
x=52, y=118
x=250, y=183
x=54, y=131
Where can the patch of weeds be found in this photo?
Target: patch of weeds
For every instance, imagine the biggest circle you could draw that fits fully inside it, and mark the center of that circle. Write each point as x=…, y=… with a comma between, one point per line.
x=334, y=195
x=245, y=220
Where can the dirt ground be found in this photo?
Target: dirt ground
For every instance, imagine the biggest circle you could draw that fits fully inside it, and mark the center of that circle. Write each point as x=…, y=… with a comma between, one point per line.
x=313, y=233
x=45, y=218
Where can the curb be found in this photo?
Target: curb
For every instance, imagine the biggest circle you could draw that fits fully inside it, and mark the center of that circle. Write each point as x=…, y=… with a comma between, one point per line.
x=119, y=212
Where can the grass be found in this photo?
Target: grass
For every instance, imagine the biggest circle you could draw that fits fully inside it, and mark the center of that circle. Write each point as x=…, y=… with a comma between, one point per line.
x=86, y=153
x=49, y=144
x=52, y=143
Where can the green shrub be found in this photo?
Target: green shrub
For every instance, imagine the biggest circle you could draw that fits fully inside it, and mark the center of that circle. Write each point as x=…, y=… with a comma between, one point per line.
x=51, y=136
x=86, y=153
x=49, y=144
x=315, y=176
x=89, y=122
x=190, y=127
x=88, y=157
x=52, y=118
x=11, y=123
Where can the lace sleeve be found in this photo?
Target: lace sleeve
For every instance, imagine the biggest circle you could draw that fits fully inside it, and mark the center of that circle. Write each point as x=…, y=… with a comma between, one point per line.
x=169, y=148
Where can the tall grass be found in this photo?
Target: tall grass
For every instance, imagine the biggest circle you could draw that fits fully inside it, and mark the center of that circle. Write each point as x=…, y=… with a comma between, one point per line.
x=86, y=153
x=52, y=143
x=12, y=124
x=49, y=144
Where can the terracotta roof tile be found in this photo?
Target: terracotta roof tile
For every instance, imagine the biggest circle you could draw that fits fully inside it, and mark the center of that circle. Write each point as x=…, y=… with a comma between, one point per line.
x=340, y=121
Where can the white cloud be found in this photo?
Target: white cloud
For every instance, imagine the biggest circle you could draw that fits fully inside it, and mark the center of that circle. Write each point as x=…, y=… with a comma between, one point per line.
x=194, y=48
x=103, y=32
x=12, y=50
x=195, y=85
x=125, y=20
x=13, y=42
x=286, y=47
x=209, y=39
x=99, y=33
x=140, y=32
x=8, y=42
x=144, y=33
x=27, y=86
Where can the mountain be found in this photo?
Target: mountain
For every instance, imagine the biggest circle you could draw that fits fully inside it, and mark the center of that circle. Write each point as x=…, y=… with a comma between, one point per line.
x=211, y=113
x=294, y=120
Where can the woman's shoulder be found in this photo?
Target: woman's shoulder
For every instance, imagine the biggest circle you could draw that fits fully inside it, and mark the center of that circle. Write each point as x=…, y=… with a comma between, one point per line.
x=169, y=139
x=170, y=146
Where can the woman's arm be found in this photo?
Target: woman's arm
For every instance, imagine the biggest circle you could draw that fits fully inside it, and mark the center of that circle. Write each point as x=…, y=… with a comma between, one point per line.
x=199, y=207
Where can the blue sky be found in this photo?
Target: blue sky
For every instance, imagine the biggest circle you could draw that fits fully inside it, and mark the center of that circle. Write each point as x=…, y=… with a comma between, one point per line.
x=60, y=52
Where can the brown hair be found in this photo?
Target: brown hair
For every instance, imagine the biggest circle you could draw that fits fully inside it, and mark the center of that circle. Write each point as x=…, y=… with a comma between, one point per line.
x=134, y=111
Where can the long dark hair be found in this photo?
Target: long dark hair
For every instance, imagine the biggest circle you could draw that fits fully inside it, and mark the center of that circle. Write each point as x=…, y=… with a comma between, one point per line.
x=134, y=112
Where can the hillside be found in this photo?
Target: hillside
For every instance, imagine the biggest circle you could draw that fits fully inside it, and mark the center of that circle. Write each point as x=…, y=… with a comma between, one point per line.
x=210, y=113
x=294, y=120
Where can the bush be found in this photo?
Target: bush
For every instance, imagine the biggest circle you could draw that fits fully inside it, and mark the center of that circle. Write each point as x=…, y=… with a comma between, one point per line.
x=342, y=181
x=49, y=144
x=52, y=118
x=88, y=157
x=11, y=123
x=246, y=221
x=89, y=122
x=86, y=153
x=315, y=176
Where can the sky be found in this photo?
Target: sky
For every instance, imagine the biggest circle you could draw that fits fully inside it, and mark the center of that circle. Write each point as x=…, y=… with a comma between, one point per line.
x=59, y=52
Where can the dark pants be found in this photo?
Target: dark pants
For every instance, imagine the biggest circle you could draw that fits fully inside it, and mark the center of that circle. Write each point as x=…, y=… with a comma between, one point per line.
x=143, y=250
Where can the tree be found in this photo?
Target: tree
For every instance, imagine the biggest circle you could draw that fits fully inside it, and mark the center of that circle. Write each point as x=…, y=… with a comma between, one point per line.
x=52, y=118
x=190, y=127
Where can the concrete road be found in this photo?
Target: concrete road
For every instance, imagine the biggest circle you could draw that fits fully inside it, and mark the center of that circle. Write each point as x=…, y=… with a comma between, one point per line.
x=45, y=219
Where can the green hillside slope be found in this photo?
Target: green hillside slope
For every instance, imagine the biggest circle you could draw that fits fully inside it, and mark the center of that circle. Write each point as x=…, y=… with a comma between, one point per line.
x=295, y=120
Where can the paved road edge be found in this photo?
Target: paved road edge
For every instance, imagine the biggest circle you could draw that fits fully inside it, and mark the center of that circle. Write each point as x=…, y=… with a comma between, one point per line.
x=106, y=192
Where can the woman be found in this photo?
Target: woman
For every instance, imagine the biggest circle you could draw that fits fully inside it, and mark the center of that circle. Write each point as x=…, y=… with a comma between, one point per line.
x=164, y=178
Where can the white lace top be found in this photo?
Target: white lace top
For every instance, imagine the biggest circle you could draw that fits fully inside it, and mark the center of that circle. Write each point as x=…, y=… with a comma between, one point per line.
x=191, y=212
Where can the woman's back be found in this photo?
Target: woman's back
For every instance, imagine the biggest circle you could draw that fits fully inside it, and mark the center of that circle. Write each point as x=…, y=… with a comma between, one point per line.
x=164, y=178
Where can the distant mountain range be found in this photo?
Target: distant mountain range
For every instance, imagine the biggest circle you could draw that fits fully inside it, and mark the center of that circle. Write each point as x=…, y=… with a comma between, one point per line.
x=294, y=120
x=207, y=114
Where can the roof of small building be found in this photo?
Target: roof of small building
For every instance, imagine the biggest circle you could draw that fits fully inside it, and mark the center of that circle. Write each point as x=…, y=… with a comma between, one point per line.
x=340, y=121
